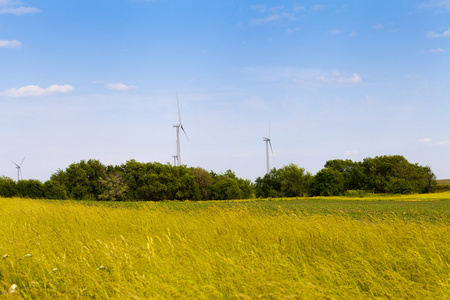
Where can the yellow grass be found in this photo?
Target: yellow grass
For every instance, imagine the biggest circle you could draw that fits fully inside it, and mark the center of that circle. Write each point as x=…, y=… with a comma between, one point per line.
x=71, y=251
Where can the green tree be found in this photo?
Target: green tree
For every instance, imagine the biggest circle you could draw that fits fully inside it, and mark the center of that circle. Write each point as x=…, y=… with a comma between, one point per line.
x=55, y=190
x=288, y=181
x=82, y=179
x=7, y=187
x=203, y=179
x=327, y=182
x=115, y=187
x=30, y=188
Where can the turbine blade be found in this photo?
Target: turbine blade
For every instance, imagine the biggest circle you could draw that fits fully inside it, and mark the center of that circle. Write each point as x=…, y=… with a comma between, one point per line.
x=273, y=155
x=15, y=164
x=179, y=115
x=184, y=132
x=269, y=129
x=22, y=161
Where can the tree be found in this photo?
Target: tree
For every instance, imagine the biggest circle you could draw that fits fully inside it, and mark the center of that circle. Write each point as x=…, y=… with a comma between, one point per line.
x=394, y=174
x=228, y=186
x=30, y=188
x=114, y=186
x=55, y=190
x=82, y=179
x=289, y=181
x=327, y=182
x=203, y=179
x=7, y=187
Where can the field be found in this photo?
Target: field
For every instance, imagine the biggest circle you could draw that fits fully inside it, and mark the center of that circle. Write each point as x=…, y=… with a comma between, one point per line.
x=318, y=248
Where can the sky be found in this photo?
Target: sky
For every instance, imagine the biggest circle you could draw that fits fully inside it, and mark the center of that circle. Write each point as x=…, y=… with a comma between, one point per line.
x=334, y=79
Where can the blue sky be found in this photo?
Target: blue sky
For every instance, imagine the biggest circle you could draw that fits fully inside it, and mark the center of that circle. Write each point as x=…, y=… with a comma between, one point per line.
x=337, y=80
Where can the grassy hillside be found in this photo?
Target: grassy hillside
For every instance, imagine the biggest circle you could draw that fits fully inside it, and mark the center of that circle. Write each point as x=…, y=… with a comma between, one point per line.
x=266, y=249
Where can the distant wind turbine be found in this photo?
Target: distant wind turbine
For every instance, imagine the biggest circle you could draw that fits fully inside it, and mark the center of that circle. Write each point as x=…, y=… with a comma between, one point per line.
x=177, y=126
x=267, y=140
x=19, y=171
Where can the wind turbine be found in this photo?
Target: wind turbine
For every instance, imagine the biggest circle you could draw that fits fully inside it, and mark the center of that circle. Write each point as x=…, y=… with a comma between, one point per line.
x=177, y=126
x=267, y=140
x=19, y=171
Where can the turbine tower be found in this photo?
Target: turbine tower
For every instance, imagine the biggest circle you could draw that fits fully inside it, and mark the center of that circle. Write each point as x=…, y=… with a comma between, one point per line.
x=19, y=171
x=177, y=126
x=267, y=140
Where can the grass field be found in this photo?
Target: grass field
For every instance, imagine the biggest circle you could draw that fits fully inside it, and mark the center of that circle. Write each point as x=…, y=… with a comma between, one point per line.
x=344, y=248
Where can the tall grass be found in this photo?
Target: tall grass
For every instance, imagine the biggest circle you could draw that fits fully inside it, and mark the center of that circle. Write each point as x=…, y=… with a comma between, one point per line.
x=69, y=251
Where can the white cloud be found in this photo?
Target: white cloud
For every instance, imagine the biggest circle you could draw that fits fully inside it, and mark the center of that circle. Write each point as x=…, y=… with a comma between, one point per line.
x=273, y=14
x=336, y=77
x=437, y=3
x=353, y=34
x=12, y=7
x=292, y=30
x=10, y=44
x=334, y=31
x=437, y=50
x=377, y=26
x=298, y=7
x=434, y=35
x=120, y=86
x=351, y=152
x=34, y=90
x=259, y=8
x=443, y=143
x=308, y=77
x=268, y=19
x=317, y=7
x=425, y=140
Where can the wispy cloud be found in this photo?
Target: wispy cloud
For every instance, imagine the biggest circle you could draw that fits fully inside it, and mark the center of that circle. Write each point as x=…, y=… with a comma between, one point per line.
x=443, y=143
x=444, y=4
x=377, y=26
x=425, y=140
x=292, y=30
x=120, y=86
x=317, y=7
x=353, y=34
x=435, y=35
x=304, y=76
x=268, y=19
x=274, y=14
x=336, y=77
x=334, y=31
x=10, y=44
x=437, y=50
x=298, y=7
x=34, y=90
x=259, y=8
x=15, y=8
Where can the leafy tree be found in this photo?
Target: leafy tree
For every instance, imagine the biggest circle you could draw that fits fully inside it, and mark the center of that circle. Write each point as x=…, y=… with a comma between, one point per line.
x=7, y=187
x=228, y=186
x=203, y=179
x=394, y=174
x=30, y=188
x=289, y=181
x=55, y=190
x=327, y=182
x=82, y=179
x=114, y=186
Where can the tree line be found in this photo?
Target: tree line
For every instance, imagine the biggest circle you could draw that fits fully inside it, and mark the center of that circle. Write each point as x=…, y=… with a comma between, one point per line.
x=132, y=181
